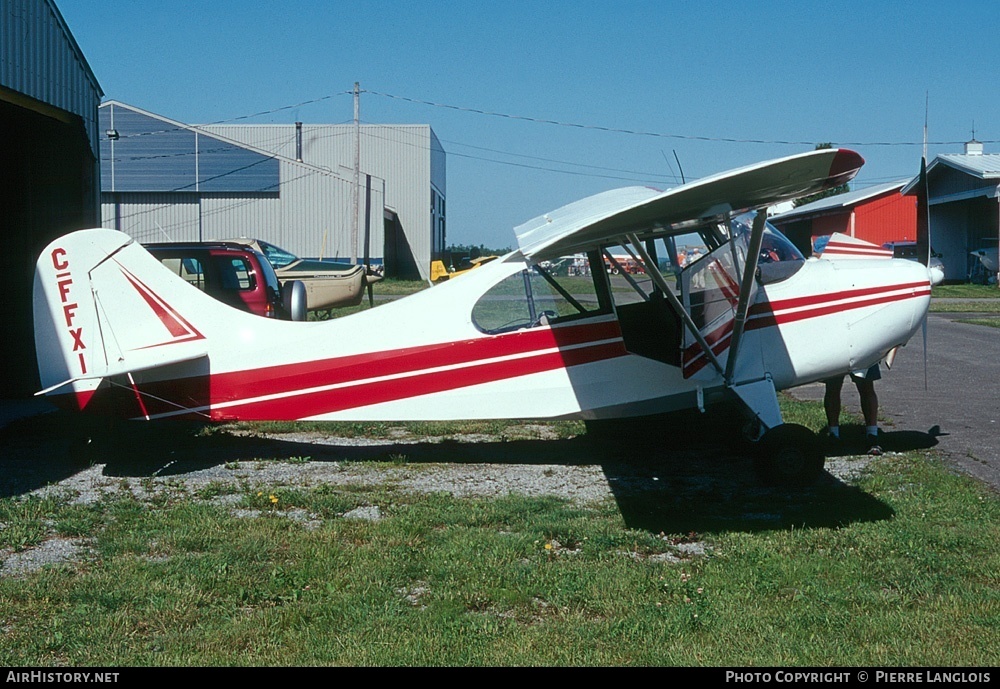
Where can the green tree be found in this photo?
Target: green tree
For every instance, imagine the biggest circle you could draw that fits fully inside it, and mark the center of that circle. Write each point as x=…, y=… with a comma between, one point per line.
x=473, y=251
x=833, y=191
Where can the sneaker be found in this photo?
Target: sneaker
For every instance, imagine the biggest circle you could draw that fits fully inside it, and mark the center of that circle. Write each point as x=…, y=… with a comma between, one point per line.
x=874, y=449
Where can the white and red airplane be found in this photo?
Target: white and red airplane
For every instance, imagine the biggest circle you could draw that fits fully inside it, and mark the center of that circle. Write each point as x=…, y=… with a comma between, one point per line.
x=117, y=333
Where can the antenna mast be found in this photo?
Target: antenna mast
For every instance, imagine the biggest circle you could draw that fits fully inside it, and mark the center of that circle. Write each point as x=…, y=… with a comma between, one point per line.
x=927, y=99
x=356, y=203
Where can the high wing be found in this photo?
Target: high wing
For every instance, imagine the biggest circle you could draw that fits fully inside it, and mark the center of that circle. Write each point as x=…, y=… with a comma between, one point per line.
x=634, y=214
x=642, y=211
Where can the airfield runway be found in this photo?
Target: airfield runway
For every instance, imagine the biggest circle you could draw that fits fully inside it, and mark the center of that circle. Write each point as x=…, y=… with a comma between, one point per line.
x=960, y=407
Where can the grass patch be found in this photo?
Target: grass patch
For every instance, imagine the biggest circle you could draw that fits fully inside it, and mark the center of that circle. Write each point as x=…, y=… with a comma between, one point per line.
x=898, y=568
x=395, y=287
x=502, y=428
x=990, y=322
x=390, y=287
x=966, y=291
x=966, y=306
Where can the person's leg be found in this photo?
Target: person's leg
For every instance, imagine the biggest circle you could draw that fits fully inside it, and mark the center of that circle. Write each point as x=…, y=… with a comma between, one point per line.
x=869, y=402
x=869, y=408
x=831, y=404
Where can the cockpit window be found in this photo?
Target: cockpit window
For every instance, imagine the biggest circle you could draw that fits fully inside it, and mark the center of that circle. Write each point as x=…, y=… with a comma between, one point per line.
x=537, y=296
x=774, y=246
x=779, y=259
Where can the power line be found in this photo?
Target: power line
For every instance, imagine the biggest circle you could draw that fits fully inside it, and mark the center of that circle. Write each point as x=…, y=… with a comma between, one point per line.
x=552, y=160
x=549, y=169
x=234, y=119
x=685, y=137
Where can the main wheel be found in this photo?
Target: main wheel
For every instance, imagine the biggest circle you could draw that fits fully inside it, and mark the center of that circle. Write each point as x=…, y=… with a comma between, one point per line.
x=789, y=455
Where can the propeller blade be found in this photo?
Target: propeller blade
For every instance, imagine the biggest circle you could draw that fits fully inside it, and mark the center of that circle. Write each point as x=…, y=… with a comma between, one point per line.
x=891, y=357
x=923, y=329
x=923, y=217
x=924, y=246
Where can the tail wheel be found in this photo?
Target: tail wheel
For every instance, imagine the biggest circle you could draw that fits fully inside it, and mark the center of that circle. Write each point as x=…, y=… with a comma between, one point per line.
x=789, y=455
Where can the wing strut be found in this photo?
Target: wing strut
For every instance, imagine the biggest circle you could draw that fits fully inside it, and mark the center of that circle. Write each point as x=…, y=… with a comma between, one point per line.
x=624, y=274
x=743, y=305
x=654, y=272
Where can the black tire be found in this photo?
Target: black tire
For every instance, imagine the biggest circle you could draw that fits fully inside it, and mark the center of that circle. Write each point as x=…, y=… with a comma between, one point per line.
x=789, y=455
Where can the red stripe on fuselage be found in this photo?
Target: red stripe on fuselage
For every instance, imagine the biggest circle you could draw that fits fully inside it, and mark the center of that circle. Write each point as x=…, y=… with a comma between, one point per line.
x=762, y=315
x=768, y=318
x=796, y=302
x=272, y=380
x=298, y=406
x=412, y=372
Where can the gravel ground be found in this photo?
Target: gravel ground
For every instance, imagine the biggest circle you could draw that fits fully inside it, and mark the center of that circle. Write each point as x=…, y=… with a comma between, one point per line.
x=38, y=461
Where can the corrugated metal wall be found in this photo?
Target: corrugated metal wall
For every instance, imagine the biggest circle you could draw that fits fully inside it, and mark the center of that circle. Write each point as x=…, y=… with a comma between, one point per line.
x=40, y=58
x=157, y=189
x=49, y=182
x=147, y=154
x=310, y=217
x=949, y=231
x=828, y=224
x=409, y=158
x=151, y=217
x=951, y=184
x=890, y=218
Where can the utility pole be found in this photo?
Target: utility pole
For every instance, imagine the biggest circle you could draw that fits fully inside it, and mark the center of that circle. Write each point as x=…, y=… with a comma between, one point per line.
x=356, y=203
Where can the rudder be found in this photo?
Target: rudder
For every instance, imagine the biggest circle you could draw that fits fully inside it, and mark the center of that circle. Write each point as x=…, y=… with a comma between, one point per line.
x=102, y=307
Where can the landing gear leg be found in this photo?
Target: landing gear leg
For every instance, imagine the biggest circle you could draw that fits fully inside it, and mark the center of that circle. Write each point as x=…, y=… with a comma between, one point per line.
x=785, y=453
x=789, y=455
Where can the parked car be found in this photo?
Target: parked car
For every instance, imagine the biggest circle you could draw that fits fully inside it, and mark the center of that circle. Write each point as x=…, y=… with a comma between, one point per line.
x=235, y=274
x=905, y=249
x=329, y=284
x=908, y=250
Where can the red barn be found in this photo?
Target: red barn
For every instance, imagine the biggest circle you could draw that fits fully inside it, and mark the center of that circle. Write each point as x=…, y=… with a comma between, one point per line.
x=877, y=214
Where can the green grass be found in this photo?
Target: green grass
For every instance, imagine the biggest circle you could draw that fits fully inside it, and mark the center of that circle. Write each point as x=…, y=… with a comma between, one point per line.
x=388, y=287
x=991, y=322
x=898, y=568
x=966, y=306
x=966, y=291
x=396, y=287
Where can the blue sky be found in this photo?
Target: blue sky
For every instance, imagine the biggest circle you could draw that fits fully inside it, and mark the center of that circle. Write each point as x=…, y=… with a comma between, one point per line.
x=719, y=84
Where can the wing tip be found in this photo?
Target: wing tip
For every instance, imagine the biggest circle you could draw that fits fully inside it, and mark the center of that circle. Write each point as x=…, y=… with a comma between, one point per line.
x=844, y=167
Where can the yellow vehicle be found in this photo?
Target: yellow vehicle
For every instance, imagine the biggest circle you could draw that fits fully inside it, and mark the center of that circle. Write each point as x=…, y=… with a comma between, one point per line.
x=440, y=273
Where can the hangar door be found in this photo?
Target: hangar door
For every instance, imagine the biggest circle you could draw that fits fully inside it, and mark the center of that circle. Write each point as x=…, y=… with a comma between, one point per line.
x=47, y=188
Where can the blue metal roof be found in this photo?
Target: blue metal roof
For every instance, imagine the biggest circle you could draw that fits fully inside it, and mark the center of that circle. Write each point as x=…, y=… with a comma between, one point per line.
x=986, y=165
x=952, y=176
x=148, y=153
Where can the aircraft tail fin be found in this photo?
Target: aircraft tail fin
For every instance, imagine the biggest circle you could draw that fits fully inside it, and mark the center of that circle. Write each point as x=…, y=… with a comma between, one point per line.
x=438, y=271
x=103, y=307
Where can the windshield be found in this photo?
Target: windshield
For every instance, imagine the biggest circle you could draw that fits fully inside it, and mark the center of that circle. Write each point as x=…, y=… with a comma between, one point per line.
x=773, y=247
x=779, y=259
x=278, y=257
